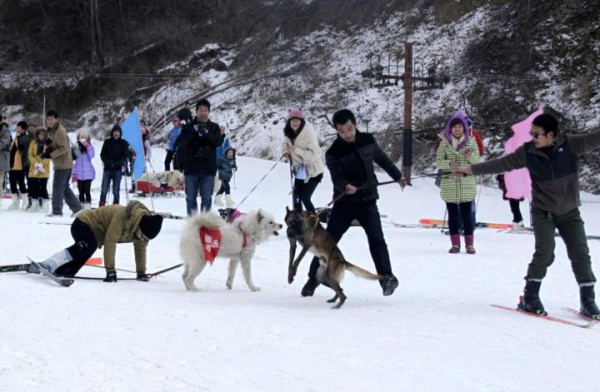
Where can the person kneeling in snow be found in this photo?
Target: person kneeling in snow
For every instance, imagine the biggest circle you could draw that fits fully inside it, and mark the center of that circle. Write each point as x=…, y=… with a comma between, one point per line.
x=108, y=226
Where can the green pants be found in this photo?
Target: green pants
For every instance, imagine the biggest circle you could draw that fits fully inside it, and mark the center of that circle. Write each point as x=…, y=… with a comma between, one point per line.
x=570, y=227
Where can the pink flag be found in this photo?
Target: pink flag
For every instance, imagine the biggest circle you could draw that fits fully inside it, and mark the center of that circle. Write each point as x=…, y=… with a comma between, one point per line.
x=518, y=182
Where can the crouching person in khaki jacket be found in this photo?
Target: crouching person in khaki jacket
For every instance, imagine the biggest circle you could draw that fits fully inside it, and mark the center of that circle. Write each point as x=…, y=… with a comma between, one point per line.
x=109, y=225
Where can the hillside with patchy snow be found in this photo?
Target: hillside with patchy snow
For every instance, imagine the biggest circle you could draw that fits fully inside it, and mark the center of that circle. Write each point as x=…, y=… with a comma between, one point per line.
x=323, y=71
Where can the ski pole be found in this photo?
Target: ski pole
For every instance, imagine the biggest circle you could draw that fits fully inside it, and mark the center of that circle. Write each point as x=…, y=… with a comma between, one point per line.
x=150, y=185
x=116, y=269
x=152, y=275
x=292, y=181
x=444, y=220
x=126, y=189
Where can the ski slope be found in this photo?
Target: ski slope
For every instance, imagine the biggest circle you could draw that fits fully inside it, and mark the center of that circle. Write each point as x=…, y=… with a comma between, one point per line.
x=436, y=333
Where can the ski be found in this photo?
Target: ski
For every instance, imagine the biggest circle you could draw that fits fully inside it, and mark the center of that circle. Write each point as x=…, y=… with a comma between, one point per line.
x=14, y=268
x=580, y=315
x=529, y=230
x=100, y=278
x=548, y=318
x=413, y=225
x=65, y=282
x=486, y=225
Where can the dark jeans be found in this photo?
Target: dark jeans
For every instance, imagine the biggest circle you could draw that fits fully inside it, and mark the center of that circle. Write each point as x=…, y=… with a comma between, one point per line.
x=225, y=188
x=194, y=185
x=516, y=210
x=570, y=227
x=84, y=247
x=461, y=226
x=367, y=214
x=465, y=212
x=38, y=188
x=107, y=177
x=303, y=191
x=61, y=192
x=171, y=157
x=84, y=187
x=17, y=181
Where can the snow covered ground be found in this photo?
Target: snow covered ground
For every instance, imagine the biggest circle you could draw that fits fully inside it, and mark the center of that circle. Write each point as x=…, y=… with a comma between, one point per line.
x=436, y=333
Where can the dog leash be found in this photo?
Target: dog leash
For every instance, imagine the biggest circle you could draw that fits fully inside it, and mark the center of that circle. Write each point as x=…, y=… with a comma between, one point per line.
x=258, y=183
x=338, y=197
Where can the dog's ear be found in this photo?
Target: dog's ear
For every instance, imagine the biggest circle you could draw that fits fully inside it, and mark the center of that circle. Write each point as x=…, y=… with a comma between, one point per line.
x=287, y=210
x=260, y=215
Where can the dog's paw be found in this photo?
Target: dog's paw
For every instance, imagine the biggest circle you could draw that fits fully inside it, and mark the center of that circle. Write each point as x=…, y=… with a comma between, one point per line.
x=229, y=285
x=290, y=279
x=255, y=288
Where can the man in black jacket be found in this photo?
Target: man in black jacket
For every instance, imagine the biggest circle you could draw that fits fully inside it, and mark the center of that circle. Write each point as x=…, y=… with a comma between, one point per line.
x=350, y=161
x=196, y=149
x=551, y=159
x=114, y=154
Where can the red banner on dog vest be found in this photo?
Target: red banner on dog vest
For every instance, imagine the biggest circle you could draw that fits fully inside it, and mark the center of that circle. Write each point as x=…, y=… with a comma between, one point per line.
x=211, y=242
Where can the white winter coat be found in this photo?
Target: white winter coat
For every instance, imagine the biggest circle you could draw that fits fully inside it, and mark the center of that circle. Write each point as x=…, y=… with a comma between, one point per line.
x=307, y=152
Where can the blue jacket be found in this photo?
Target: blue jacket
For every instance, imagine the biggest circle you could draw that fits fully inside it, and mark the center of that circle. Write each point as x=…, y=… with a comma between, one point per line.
x=172, y=137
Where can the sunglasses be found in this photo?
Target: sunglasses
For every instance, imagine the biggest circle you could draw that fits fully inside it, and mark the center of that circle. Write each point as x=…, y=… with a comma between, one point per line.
x=536, y=135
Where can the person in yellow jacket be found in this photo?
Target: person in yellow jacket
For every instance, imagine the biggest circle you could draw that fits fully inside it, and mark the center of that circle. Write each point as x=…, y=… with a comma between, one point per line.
x=39, y=172
x=106, y=226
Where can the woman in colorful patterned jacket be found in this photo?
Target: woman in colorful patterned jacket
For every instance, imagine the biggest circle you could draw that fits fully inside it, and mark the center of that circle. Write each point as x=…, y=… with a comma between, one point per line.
x=458, y=148
x=83, y=169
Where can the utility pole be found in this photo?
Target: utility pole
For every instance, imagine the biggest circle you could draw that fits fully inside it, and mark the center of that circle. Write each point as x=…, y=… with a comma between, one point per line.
x=407, y=85
x=423, y=82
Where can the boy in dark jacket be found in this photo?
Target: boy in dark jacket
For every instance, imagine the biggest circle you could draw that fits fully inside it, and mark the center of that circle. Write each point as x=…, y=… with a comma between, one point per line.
x=551, y=159
x=196, y=150
x=350, y=160
x=114, y=154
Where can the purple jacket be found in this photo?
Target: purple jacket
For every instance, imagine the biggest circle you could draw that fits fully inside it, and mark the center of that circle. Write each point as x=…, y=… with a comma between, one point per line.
x=82, y=167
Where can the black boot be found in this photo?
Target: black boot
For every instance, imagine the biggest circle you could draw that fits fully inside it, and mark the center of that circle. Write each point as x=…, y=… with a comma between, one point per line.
x=389, y=284
x=142, y=276
x=588, y=303
x=531, y=299
x=309, y=288
x=111, y=276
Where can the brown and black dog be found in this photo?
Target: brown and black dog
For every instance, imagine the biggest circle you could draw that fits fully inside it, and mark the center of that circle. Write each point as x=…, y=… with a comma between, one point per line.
x=305, y=228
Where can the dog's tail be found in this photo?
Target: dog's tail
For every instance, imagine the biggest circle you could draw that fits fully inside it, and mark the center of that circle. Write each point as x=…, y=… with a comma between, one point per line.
x=207, y=219
x=362, y=273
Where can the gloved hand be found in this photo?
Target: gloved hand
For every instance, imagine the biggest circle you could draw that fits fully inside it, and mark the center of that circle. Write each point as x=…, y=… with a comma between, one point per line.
x=46, y=154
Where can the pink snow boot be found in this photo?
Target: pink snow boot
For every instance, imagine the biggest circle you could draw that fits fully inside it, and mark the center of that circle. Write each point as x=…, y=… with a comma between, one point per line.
x=455, y=239
x=469, y=244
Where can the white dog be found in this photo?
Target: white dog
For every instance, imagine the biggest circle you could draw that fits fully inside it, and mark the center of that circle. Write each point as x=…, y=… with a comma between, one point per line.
x=238, y=243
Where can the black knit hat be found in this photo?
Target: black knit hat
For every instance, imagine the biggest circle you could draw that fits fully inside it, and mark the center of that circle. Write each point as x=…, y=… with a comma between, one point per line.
x=150, y=225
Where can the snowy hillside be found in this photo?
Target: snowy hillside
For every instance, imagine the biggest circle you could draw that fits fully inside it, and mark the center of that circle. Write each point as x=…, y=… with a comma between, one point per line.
x=436, y=333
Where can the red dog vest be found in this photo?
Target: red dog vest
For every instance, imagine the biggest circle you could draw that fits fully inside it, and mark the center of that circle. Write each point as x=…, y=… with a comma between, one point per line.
x=211, y=242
